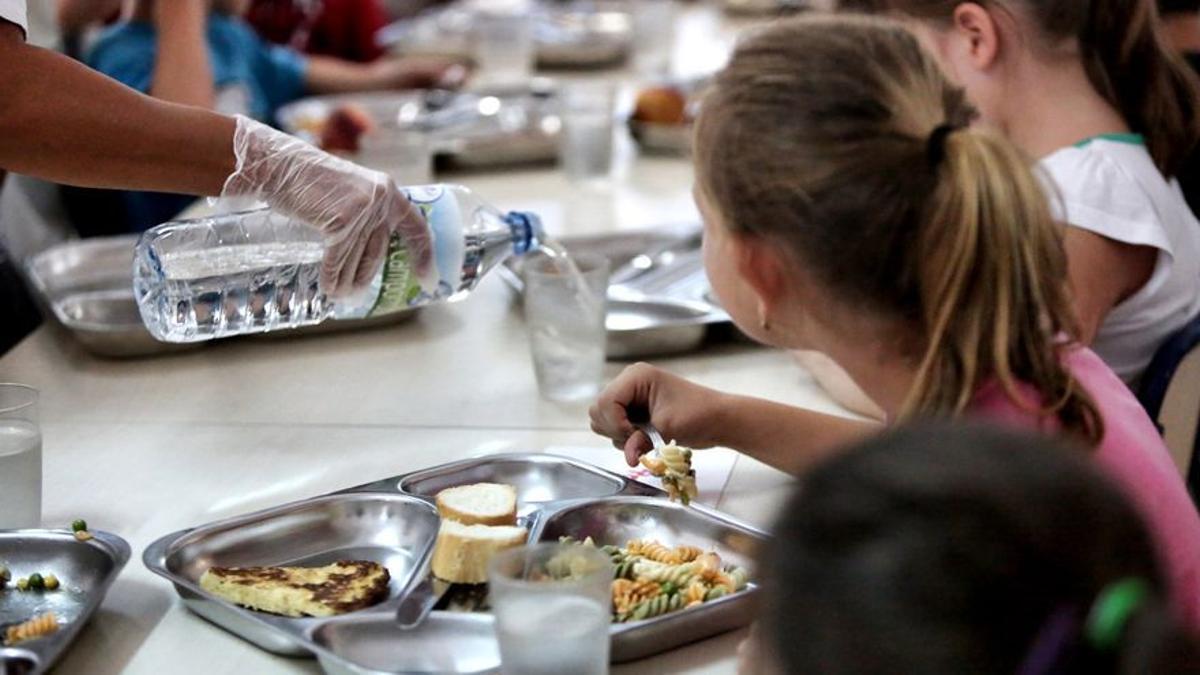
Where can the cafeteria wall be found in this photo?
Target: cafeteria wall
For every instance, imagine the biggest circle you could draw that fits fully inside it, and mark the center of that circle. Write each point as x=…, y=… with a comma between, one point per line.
x=955, y=549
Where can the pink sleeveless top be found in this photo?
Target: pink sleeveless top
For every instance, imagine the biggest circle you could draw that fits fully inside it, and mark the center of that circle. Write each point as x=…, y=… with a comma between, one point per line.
x=1133, y=454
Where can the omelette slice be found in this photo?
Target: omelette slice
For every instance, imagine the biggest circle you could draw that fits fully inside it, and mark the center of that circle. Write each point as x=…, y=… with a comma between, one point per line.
x=344, y=586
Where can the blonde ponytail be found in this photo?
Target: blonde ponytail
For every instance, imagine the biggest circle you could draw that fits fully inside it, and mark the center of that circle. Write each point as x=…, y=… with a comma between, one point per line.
x=994, y=306
x=817, y=135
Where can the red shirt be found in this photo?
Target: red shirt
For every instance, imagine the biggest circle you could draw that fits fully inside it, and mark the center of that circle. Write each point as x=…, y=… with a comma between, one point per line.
x=341, y=28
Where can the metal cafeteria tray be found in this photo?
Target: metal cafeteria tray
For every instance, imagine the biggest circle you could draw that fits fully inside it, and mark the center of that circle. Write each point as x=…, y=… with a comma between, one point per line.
x=466, y=129
x=564, y=37
x=660, y=301
x=87, y=285
x=85, y=571
x=394, y=521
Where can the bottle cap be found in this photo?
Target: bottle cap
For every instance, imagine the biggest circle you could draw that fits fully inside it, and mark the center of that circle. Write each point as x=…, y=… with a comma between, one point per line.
x=526, y=229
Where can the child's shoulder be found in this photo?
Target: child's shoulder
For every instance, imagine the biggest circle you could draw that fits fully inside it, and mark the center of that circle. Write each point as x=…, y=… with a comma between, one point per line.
x=1111, y=187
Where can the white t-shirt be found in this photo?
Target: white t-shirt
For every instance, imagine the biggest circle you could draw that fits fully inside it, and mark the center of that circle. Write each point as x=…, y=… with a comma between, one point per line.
x=14, y=11
x=1110, y=185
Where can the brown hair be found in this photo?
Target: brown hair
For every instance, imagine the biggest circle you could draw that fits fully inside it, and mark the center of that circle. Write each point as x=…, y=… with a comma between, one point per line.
x=818, y=134
x=1125, y=56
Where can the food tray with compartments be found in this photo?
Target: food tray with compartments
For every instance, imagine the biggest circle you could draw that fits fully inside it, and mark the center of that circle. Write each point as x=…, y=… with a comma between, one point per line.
x=85, y=570
x=469, y=129
x=394, y=521
x=87, y=286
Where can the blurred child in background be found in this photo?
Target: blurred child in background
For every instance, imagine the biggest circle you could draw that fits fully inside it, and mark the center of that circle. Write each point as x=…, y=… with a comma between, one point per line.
x=201, y=53
x=943, y=550
x=345, y=29
x=1090, y=91
x=849, y=208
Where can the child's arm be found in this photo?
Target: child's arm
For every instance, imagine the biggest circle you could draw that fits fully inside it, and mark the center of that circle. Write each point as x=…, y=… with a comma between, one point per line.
x=181, y=69
x=785, y=437
x=1103, y=274
x=327, y=75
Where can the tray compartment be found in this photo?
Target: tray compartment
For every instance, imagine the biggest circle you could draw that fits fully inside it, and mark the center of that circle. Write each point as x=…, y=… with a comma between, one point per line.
x=85, y=570
x=393, y=530
x=538, y=478
x=616, y=520
x=444, y=643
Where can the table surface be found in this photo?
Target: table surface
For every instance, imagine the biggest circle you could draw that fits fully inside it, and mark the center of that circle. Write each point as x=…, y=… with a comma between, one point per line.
x=146, y=447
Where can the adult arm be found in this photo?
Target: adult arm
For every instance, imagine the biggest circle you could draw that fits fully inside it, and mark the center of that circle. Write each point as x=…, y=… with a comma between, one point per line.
x=61, y=121
x=1103, y=273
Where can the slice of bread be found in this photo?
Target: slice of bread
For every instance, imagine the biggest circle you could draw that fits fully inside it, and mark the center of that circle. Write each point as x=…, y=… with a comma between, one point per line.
x=462, y=552
x=479, y=504
x=342, y=587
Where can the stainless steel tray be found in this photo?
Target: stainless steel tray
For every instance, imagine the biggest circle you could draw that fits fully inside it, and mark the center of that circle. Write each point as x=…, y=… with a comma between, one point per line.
x=556, y=496
x=567, y=37
x=87, y=285
x=660, y=301
x=467, y=129
x=85, y=570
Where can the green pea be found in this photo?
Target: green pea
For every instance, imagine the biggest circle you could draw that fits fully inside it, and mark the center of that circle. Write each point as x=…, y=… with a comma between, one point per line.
x=51, y=582
x=22, y=584
x=79, y=525
x=36, y=582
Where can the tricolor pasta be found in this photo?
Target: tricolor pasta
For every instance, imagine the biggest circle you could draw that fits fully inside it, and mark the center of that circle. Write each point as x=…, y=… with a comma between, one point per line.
x=39, y=626
x=674, y=467
x=652, y=579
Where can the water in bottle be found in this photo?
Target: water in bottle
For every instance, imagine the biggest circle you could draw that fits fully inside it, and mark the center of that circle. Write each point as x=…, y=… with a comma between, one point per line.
x=258, y=271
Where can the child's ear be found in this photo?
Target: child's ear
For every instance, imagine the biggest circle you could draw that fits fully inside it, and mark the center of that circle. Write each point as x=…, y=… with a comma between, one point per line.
x=978, y=27
x=761, y=265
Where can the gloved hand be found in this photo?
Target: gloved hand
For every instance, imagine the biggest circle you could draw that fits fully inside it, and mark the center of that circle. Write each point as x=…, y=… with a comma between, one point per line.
x=356, y=209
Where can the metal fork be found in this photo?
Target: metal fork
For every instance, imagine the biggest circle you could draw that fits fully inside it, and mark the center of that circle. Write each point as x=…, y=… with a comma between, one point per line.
x=640, y=418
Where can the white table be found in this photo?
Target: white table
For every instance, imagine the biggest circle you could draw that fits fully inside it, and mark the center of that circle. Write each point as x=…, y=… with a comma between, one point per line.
x=143, y=448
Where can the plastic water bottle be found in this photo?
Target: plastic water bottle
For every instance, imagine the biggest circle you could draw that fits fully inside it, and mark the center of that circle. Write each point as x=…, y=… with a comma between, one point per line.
x=259, y=270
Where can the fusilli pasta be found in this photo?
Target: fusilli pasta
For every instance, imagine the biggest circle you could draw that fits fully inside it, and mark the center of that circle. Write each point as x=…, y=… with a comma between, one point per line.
x=674, y=467
x=39, y=626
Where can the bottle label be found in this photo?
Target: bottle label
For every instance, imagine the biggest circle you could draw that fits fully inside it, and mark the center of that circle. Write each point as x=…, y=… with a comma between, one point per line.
x=399, y=287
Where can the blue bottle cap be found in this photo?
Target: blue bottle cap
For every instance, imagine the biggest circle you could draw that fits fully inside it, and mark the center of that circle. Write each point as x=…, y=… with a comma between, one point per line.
x=526, y=229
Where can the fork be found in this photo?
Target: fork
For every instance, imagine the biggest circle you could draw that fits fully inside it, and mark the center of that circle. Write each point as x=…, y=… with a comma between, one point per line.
x=639, y=417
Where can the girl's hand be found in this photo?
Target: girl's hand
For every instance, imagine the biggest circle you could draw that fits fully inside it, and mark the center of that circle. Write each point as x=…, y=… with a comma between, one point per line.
x=418, y=72
x=681, y=410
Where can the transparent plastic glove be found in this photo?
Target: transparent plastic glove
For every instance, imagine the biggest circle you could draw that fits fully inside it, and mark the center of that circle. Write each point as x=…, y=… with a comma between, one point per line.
x=356, y=209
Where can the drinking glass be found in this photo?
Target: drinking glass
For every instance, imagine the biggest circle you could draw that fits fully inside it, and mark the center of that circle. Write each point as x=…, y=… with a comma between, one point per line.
x=586, y=142
x=20, y=458
x=653, y=36
x=404, y=155
x=553, y=607
x=565, y=306
x=504, y=46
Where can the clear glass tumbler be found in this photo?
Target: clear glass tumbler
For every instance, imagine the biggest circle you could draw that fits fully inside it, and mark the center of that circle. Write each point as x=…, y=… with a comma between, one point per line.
x=20, y=458
x=586, y=144
x=653, y=36
x=504, y=46
x=565, y=307
x=553, y=608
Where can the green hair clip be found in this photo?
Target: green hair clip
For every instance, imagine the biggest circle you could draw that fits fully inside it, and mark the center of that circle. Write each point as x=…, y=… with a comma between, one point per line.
x=1111, y=611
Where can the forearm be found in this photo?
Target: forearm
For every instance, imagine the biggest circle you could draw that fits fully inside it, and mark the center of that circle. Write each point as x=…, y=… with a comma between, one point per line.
x=327, y=75
x=181, y=69
x=785, y=437
x=63, y=122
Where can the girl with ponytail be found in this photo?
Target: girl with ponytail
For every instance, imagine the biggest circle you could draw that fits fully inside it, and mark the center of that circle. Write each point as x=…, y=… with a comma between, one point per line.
x=1091, y=90
x=1048, y=572
x=849, y=208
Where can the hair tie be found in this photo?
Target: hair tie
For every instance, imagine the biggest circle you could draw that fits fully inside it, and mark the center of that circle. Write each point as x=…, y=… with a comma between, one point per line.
x=1111, y=611
x=1057, y=633
x=935, y=147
